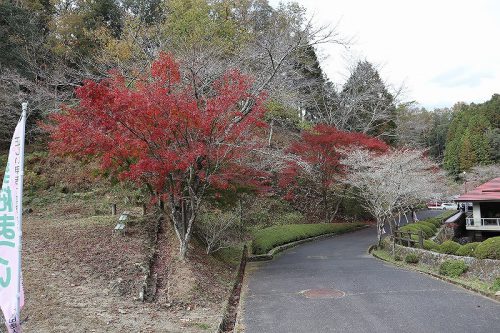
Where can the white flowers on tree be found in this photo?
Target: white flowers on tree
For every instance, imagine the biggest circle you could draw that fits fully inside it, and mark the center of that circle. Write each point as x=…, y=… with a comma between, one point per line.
x=391, y=184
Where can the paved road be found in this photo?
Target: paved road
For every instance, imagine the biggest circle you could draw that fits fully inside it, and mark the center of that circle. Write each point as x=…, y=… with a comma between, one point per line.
x=378, y=297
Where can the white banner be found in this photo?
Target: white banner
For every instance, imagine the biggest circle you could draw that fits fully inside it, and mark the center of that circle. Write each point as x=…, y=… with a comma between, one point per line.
x=11, y=290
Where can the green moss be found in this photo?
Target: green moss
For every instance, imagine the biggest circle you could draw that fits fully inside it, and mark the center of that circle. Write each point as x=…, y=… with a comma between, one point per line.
x=452, y=268
x=467, y=250
x=489, y=249
x=449, y=247
x=269, y=238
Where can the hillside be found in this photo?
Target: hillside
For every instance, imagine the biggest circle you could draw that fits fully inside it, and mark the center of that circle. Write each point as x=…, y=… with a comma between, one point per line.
x=80, y=276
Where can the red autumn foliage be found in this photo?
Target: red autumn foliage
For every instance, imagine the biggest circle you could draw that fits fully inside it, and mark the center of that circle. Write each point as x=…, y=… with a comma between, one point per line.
x=322, y=148
x=158, y=132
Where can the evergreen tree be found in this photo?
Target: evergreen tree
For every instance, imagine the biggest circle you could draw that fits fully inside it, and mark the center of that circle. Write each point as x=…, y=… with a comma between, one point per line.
x=368, y=102
x=467, y=153
x=471, y=138
x=312, y=85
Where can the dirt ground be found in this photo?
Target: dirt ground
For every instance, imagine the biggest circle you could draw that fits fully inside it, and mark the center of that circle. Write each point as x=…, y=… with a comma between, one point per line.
x=81, y=277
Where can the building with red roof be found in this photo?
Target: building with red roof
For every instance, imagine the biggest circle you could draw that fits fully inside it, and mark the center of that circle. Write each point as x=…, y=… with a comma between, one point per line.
x=485, y=207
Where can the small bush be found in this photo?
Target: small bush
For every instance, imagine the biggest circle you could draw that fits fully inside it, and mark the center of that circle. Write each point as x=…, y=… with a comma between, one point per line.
x=398, y=257
x=416, y=227
x=467, y=250
x=411, y=258
x=430, y=245
x=452, y=268
x=489, y=249
x=449, y=247
x=430, y=225
x=496, y=285
x=435, y=221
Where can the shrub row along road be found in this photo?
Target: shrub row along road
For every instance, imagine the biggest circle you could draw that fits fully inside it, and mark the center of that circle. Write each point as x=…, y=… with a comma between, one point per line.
x=333, y=285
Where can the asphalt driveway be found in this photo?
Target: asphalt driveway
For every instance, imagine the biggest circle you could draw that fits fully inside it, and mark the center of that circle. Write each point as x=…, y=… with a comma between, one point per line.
x=333, y=285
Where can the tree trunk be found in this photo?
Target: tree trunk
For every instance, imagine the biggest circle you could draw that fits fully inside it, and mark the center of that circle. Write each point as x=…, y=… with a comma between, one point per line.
x=270, y=133
x=380, y=228
x=183, y=213
x=325, y=205
x=337, y=206
x=183, y=248
x=392, y=225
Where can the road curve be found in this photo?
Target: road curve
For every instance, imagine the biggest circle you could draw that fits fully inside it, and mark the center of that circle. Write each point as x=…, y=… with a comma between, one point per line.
x=370, y=295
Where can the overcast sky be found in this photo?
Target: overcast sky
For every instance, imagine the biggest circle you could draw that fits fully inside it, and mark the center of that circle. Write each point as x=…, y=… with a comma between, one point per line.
x=443, y=51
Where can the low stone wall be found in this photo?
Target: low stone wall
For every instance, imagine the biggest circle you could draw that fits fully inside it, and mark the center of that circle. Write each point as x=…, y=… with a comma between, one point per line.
x=483, y=269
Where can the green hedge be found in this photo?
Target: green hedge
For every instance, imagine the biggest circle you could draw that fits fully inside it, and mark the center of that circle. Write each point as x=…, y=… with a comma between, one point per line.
x=449, y=247
x=432, y=226
x=434, y=220
x=467, y=250
x=438, y=219
x=452, y=268
x=416, y=227
x=428, y=226
x=268, y=238
x=430, y=245
x=489, y=249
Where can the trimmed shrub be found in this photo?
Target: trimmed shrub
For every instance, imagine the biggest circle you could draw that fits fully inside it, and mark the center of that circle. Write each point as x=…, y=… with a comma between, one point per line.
x=449, y=247
x=428, y=232
x=430, y=225
x=496, y=284
x=467, y=250
x=269, y=238
x=489, y=249
x=452, y=268
x=430, y=245
x=434, y=220
x=416, y=227
x=411, y=258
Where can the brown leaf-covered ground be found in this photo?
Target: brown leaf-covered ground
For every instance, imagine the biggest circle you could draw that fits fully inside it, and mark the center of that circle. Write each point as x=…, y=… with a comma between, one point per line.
x=81, y=277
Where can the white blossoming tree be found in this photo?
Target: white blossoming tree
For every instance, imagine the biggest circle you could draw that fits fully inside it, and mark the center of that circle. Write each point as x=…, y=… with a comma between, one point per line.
x=391, y=184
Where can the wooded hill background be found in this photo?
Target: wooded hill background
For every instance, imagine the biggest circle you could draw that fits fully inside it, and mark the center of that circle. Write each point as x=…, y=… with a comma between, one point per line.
x=49, y=47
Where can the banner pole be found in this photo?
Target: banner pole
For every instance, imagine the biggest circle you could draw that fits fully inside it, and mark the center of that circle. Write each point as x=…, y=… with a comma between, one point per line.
x=21, y=180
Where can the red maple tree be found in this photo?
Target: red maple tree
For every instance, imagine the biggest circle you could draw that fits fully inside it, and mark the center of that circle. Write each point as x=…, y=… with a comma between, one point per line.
x=321, y=148
x=162, y=134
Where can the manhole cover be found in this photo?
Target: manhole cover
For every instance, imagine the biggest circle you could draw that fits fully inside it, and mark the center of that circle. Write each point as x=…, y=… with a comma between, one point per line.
x=322, y=293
